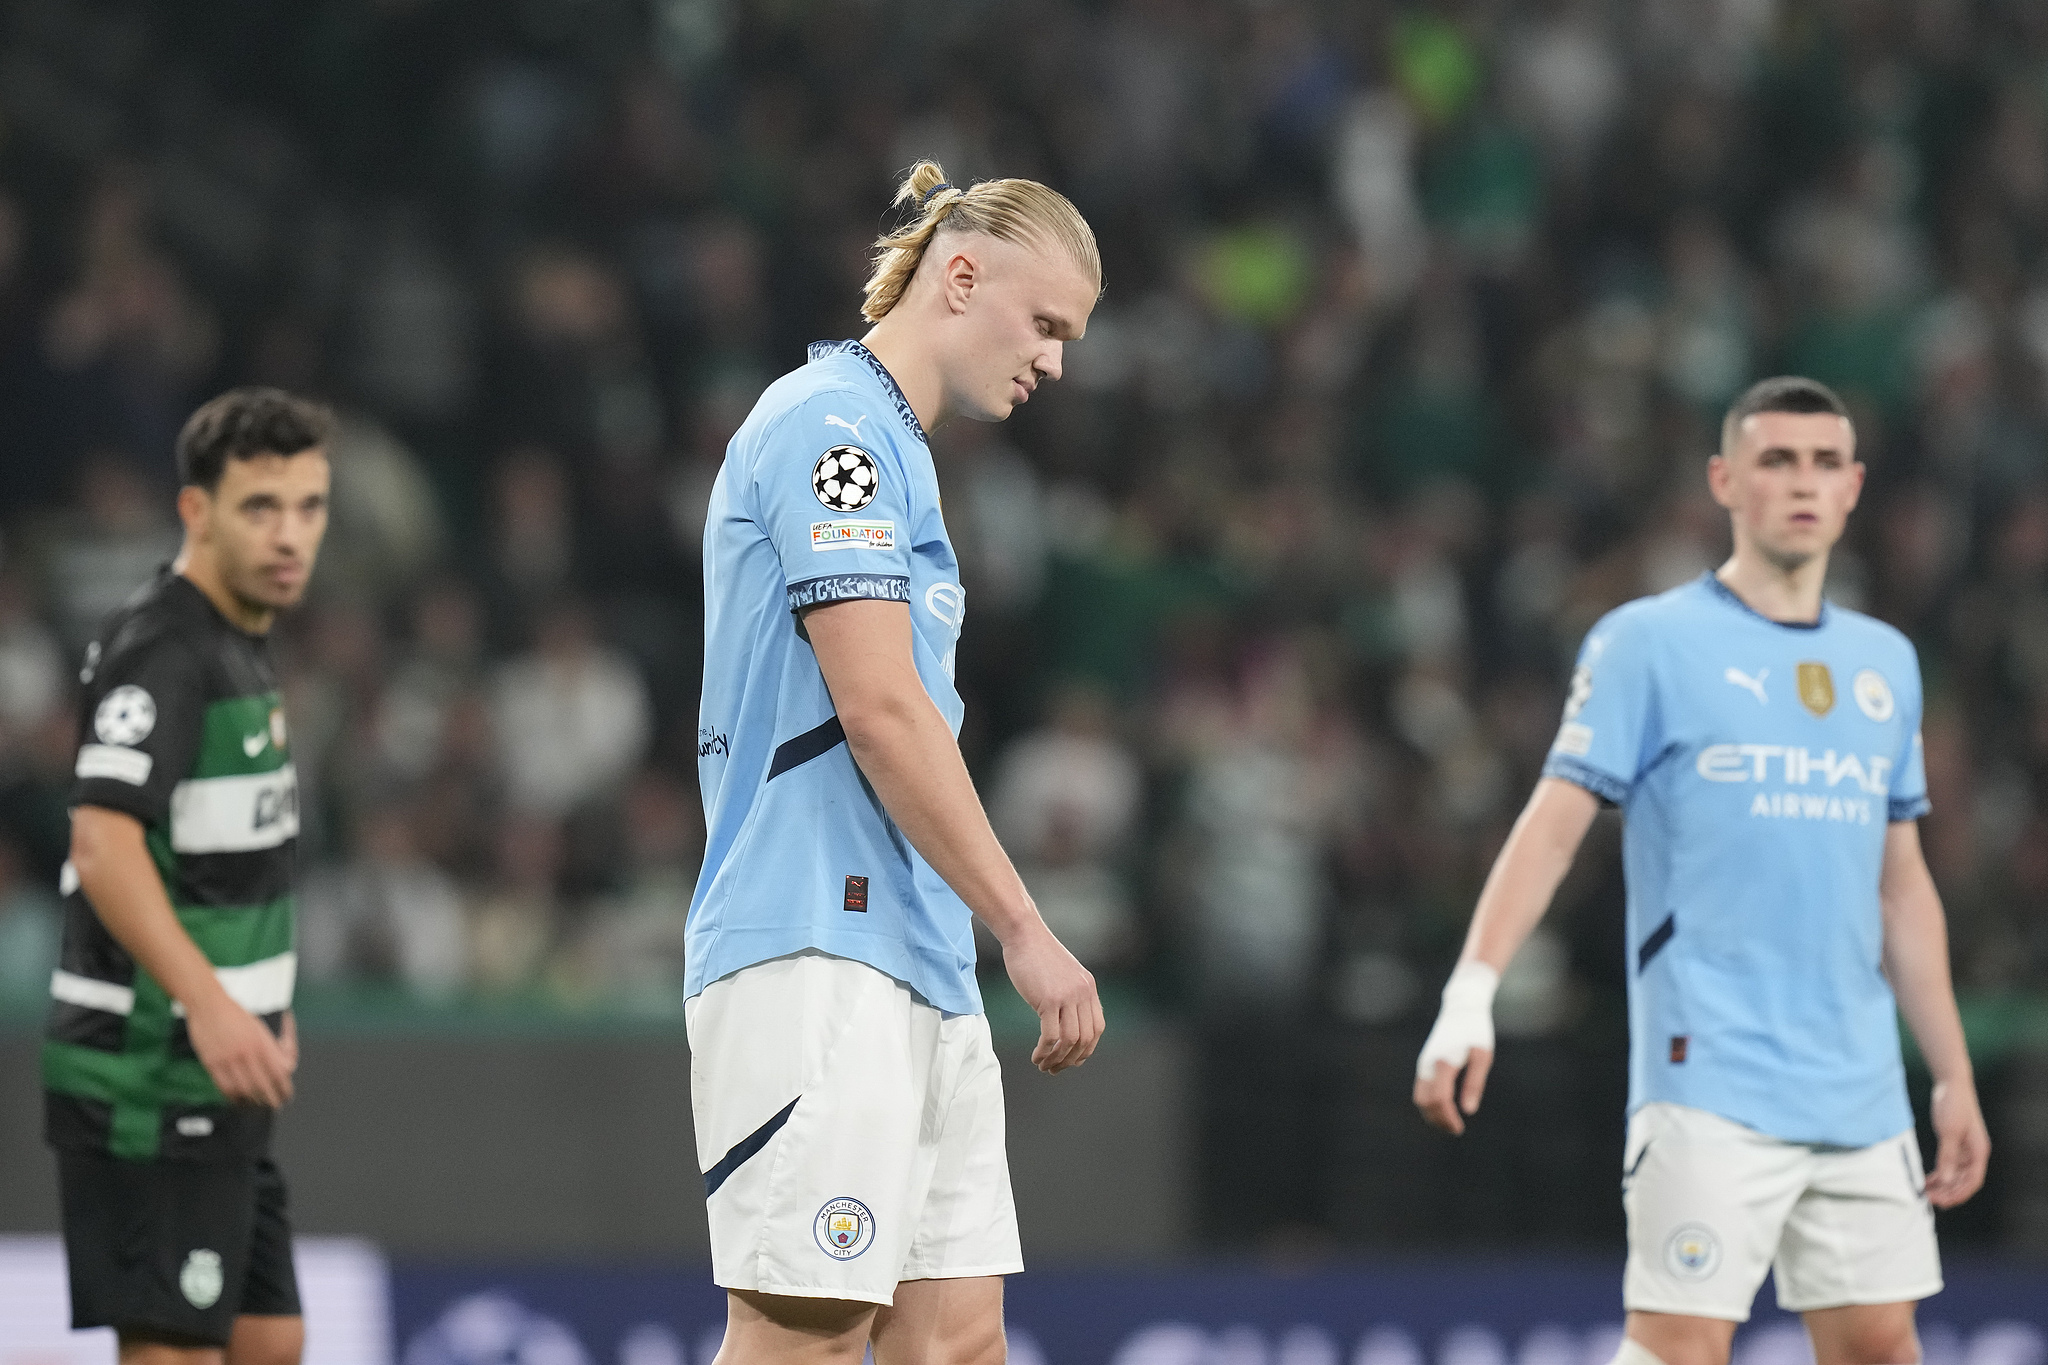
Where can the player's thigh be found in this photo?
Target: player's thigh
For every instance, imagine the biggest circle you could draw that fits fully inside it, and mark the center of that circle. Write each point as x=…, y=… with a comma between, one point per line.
x=1707, y=1201
x=1679, y=1339
x=267, y=1339
x=1864, y=1334
x=152, y=1351
x=809, y=1077
x=967, y=1221
x=157, y=1250
x=943, y=1322
x=784, y=1329
x=270, y=1289
x=1862, y=1233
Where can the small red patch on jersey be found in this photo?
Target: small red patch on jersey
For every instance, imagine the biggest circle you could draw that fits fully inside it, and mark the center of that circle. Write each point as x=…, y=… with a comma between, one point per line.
x=1678, y=1044
x=857, y=894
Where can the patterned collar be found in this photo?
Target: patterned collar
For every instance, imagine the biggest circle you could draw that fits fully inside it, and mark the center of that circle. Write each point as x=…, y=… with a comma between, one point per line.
x=821, y=349
x=1728, y=594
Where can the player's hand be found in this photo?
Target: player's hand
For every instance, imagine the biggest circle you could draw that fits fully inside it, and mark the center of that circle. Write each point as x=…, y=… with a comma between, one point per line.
x=248, y=1065
x=1461, y=1041
x=1434, y=1095
x=288, y=1039
x=1055, y=984
x=1963, y=1145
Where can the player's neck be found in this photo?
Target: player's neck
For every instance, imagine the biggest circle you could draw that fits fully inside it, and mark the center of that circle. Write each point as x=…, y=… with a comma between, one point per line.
x=1774, y=591
x=911, y=365
x=203, y=573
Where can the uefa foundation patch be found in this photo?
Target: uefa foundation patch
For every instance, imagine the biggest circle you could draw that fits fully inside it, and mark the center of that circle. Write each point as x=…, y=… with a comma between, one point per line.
x=844, y=1228
x=853, y=535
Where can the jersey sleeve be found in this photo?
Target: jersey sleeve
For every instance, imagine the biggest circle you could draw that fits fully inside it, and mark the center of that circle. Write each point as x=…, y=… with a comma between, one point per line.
x=834, y=496
x=144, y=710
x=1609, y=714
x=1908, y=797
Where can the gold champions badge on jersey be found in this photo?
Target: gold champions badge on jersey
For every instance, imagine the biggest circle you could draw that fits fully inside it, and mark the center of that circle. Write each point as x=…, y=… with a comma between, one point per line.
x=1816, y=688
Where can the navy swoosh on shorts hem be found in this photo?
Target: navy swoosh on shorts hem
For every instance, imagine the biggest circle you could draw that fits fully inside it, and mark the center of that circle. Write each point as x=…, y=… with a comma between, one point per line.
x=1610, y=789
x=792, y=753
x=849, y=587
x=745, y=1149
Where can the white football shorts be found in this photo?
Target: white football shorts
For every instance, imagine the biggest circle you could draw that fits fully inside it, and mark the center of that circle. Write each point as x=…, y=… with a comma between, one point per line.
x=851, y=1134
x=1713, y=1204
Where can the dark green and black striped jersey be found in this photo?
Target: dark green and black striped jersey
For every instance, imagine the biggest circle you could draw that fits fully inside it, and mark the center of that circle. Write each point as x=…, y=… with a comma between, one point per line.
x=181, y=727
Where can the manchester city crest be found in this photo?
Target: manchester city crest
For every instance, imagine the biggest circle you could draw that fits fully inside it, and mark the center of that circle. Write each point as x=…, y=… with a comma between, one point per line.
x=1693, y=1252
x=1873, y=695
x=844, y=1228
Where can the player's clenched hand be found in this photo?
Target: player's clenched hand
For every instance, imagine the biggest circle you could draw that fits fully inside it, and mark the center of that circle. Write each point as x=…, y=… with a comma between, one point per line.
x=1462, y=1040
x=1062, y=991
x=1963, y=1145
x=248, y=1065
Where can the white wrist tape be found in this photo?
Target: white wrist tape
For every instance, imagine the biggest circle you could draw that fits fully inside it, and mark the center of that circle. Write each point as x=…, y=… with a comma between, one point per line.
x=1464, y=1023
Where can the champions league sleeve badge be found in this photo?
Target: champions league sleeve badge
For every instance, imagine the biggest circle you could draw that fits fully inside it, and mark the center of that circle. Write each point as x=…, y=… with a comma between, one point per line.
x=844, y=1228
x=126, y=715
x=846, y=478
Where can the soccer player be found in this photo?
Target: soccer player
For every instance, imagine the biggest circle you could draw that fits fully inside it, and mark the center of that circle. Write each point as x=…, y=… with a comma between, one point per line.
x=170, y=1040
x=1764, y=747
x=848, y=1105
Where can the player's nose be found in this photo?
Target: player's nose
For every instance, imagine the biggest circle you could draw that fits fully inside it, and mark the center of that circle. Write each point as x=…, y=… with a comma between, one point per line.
x=1048, y=362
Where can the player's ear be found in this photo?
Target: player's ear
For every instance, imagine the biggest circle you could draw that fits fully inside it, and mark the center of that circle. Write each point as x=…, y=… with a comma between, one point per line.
x=1718, y=475
x=194, y=506
x=958, y=275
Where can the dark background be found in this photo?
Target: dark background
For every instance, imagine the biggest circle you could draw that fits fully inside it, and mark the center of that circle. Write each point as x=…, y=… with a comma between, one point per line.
x=1418, y=325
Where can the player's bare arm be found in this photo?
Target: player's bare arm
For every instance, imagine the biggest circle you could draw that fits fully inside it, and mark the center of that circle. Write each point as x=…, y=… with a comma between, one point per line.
x=906, y=751
x=121, y=880
x=1533, y=861
x=1916, y=962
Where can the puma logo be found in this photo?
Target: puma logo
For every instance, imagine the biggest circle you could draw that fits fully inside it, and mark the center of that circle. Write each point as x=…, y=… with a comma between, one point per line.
x=1756, y=684
x=252, y=745
x=853, y=426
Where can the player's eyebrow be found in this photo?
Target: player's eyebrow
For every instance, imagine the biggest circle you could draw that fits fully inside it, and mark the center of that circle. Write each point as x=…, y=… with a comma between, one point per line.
x=1062, y=326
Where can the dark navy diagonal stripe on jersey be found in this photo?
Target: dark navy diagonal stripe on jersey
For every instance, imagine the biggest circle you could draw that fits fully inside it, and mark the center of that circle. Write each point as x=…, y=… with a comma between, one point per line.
x=746, y=1149
x=1654, y=944
x=792, y=753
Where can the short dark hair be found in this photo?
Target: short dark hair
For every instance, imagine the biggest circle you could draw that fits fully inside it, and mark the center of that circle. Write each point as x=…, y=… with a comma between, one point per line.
x=244, y=423
x=1783, y=393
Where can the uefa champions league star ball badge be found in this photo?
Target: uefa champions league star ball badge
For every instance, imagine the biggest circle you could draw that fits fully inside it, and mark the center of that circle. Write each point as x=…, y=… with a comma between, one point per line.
x=126, y=716
x=844, y=1228
x=845, y=478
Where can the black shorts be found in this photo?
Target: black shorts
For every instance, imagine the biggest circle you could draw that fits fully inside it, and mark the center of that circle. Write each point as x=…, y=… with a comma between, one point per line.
x=175, y=1250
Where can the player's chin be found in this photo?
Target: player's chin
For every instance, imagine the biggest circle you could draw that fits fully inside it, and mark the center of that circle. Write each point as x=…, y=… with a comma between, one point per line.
x=280, y=596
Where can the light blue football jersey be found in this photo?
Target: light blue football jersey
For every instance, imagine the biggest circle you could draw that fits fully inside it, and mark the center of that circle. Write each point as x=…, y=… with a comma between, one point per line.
x=1757, y=765
x=827, y=494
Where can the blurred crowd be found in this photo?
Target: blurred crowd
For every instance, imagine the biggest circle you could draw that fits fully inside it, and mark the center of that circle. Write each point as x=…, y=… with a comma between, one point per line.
x=1419, y=322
